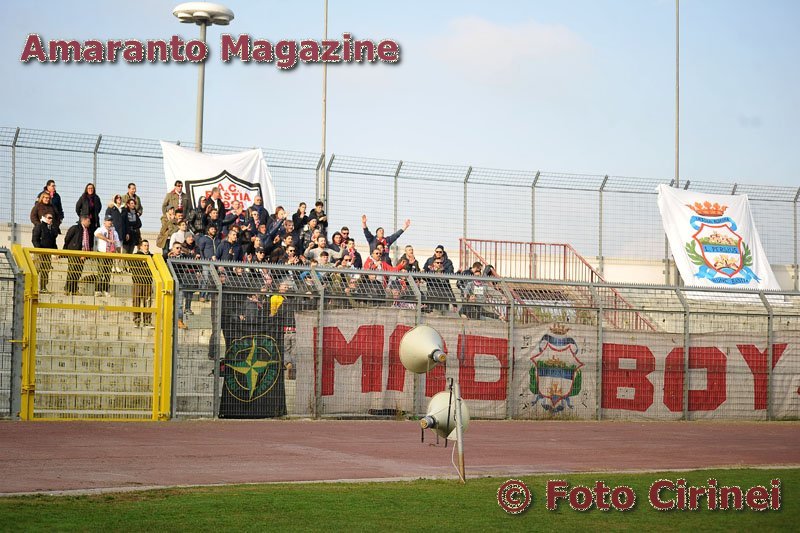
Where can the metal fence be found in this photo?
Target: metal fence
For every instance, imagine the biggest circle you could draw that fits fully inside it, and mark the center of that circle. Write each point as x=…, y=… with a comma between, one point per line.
x=11, y=302
x=264, y=340
x=604, y=218
x=96, y=339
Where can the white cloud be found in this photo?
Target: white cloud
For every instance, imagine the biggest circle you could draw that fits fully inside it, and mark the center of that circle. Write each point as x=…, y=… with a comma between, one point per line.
x=492, y=52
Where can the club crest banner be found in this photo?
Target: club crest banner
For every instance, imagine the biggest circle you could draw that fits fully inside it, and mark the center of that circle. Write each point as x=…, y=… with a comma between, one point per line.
x=241, y=176
x=714, y=240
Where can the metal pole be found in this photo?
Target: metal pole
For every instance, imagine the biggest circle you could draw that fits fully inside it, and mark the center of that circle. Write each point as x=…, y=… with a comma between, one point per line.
x=14, y=187
x=600, y=229
x=770, y=341
x=17, y=332
x=324, y=87
x=459, y=433
x=201, y=80
x=796, y=239
x=677, y=91
x=396, y=179
x=464, y=227
x=685, y=400
x=599, y=364
x=94, y=160
x=216, y=325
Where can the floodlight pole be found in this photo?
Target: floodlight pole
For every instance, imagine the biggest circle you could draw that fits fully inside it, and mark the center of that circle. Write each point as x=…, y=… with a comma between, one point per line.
x=201, y=81
x=677, y=92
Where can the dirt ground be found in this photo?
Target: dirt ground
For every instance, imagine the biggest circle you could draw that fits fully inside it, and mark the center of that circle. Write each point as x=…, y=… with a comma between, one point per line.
x=66, y=456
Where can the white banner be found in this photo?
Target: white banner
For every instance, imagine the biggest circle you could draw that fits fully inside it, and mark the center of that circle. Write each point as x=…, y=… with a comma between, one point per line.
x=714, y=240
x=241, y=176
x=554, y=372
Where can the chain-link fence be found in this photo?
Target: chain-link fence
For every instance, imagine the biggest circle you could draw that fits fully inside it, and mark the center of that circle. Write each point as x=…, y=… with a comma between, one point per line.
x=612, y=221
x=265, y=340
x=11, y=302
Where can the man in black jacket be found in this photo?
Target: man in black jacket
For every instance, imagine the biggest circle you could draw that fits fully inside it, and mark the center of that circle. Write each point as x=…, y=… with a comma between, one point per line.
x=79, y=237
x=45, y=234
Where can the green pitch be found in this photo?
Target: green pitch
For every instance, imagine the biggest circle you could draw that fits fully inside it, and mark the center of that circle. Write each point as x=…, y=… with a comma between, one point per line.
x=399, y=506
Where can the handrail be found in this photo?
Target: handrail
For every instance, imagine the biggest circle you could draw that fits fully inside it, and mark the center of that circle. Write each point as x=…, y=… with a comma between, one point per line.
x=556, y=261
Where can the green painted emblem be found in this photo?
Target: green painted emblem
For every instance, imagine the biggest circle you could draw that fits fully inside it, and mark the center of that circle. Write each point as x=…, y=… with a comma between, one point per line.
x=253, y=366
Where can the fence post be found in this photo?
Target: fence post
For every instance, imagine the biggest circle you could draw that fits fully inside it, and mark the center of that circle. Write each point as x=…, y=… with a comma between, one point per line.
x=319, y=340
x=216, y=326
x=396, y=179
x=770, y=341
x=17, y=325
x=94, y=159
x=685, y=304
x=417, y=393
x=509, y=345
x=14, y=187
x=319, y=174
x=796, y=266
x=326, y=186
x=599, y=364
x=600, y=228
x=464, y=227
x=533, y=205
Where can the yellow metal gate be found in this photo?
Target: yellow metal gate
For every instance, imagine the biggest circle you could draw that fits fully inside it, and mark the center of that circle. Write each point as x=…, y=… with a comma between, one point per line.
x=97, y=335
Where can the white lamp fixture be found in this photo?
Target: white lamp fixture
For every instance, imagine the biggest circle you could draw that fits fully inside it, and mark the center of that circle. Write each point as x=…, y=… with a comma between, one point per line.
x=203, y=13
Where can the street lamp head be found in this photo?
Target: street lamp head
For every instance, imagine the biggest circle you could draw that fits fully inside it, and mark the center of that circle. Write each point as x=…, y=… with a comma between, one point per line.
x=203, y=13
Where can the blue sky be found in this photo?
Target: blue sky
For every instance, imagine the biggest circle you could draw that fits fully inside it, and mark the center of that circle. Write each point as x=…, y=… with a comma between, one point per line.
x=563, y=86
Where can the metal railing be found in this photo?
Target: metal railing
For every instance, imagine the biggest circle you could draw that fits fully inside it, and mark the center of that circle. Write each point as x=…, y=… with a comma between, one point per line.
x=331, y=337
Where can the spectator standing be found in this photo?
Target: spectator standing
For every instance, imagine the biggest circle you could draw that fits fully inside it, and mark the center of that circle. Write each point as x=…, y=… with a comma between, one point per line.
x=115, y=211
x=230, y=250
x=133, y=227
x=439, y=253
x=318, y=213
x=208, y=244
x=180, y=235
x=300, y=218
x=78, y=237
x=168, y=227
x=351, y=252
x=142, y=285
x=55, y=201
x=176, y=198
x=197, y=218
x=89, y=205
x=217, y=203
x=44, y=236
x=106, y=240
x=258, y=205
x=380, y=238
x=411, y=262
x=131, y=195
x=43, y=207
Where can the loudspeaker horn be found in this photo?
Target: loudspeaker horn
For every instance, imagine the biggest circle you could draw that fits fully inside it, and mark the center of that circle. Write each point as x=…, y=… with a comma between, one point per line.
x=421, y=349
x=441, y=415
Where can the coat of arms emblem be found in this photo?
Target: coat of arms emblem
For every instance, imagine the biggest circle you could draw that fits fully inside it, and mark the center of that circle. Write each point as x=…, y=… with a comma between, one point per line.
x=720, y=253
x=556, y=370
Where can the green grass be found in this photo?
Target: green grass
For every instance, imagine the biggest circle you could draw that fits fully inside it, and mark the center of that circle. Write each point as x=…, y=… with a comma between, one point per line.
x=400, y=506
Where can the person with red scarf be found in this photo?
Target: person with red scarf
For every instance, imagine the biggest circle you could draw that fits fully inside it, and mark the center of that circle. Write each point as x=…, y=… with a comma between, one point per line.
x=379, y=238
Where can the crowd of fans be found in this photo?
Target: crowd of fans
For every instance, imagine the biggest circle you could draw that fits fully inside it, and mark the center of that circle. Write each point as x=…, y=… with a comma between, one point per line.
x=212, y=230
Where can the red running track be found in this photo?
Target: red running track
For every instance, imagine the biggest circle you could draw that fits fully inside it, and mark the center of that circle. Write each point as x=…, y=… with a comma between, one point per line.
x=57, y=456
